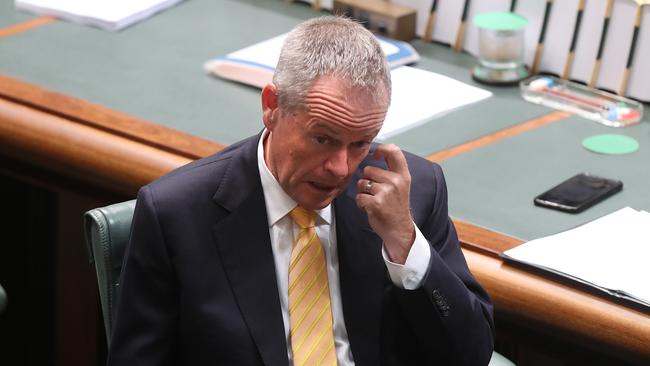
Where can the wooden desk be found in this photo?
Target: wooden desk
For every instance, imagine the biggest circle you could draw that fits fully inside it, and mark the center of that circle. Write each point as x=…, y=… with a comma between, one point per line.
x=108, y=148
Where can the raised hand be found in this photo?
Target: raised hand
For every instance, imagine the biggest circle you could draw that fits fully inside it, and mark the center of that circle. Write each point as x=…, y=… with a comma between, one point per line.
x=384, y=196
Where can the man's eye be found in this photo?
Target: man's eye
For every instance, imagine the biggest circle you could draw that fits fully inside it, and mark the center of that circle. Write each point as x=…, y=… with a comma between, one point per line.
x=322, y=140
x=361, y=144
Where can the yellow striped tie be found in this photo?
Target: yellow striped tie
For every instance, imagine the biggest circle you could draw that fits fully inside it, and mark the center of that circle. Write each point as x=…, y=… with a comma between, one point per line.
x=310, y=313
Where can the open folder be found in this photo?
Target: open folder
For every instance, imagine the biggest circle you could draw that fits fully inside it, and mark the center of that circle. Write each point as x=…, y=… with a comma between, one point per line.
x=609, y=254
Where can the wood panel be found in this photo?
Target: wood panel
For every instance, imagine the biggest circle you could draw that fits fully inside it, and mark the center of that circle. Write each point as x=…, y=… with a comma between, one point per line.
x=484, y=240
x=606, y=324
x=89, y=154
x=99, y=117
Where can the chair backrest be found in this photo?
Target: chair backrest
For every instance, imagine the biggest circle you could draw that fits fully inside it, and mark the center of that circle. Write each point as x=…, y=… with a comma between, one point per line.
x=107, y=232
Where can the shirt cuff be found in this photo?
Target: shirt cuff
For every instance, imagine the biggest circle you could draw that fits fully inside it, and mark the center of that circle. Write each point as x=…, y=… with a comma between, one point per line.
x=409, y=275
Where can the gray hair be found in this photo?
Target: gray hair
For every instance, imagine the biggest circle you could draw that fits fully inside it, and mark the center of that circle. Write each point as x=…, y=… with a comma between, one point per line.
x=330, y=46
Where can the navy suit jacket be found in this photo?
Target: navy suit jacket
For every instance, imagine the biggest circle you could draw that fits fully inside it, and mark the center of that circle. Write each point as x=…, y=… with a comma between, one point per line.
x=198, y=286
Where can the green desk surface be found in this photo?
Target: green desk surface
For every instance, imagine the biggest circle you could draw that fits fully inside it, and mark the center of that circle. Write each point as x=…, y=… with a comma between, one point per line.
x=9, y=16
x=494, y=186
x=153, y=70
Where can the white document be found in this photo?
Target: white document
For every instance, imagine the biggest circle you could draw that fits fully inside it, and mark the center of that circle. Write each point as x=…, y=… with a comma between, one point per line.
x=419, y=95
x=254, y=65
x=111, y=15
x=610, y=253
x=593, y=20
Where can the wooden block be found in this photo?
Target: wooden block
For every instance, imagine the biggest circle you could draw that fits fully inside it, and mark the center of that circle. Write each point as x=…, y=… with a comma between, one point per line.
x=380, y=17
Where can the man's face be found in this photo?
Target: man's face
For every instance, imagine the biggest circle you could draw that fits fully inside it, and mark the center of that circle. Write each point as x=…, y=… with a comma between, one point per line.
x=314, y=152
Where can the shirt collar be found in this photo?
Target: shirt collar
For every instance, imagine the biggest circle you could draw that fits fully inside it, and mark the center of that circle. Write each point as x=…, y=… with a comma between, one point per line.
x=278, y=202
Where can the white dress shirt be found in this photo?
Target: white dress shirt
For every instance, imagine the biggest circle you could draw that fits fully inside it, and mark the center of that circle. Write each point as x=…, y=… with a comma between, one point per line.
x=283, y=231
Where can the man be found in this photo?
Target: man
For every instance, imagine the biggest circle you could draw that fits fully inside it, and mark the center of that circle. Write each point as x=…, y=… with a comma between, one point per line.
x=306, y=244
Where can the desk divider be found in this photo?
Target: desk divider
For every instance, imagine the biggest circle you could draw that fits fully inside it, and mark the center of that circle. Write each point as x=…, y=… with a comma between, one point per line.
x=26, y=25
x=497, y=136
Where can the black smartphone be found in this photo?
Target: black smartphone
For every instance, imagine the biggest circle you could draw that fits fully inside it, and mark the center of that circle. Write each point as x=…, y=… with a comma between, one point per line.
x=578, y=193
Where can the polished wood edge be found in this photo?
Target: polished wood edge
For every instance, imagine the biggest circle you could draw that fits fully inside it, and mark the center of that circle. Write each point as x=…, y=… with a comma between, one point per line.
x=117, y=123
x=484, y=240
x=498, y=136
x=26, y=25
x=531, y=296
x=82, y=152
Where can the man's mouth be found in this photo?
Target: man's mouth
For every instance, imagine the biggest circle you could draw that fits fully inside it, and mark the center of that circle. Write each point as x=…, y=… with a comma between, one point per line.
x=325, y=188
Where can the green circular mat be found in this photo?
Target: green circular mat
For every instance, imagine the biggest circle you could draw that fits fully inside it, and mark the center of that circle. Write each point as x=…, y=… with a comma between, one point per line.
x=610, y=144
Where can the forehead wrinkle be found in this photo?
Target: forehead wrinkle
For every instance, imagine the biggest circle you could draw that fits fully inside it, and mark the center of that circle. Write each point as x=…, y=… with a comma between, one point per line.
x=333, y=131
x=351, y=119
x=330, y=103
x=350, y=124
x=337, y=101
x=333, y=107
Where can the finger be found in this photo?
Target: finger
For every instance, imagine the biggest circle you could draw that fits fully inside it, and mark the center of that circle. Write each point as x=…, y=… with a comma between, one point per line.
x=393, y=156
x=365, y=202
x=365, y=186
x=379, y=175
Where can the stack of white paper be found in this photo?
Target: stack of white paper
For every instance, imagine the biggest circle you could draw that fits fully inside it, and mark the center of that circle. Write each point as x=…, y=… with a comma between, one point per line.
x=610, y=254
x=111, y=15
x=419, y=95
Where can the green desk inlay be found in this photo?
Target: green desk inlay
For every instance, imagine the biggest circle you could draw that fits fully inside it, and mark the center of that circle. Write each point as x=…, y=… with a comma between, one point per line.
x=494, y=186
x=154, y=71
x=9, y=16
x=611, y=144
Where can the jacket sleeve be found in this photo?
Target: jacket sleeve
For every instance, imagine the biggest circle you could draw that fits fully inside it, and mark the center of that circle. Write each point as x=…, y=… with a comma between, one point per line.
x=448, y=320
x=146, y=311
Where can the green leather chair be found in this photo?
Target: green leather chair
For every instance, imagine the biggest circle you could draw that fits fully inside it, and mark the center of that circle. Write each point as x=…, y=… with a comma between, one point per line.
x=107, y=233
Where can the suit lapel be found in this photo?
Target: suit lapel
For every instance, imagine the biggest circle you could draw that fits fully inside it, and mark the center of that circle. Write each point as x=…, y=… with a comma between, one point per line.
x=245, y=248
x=362, y=275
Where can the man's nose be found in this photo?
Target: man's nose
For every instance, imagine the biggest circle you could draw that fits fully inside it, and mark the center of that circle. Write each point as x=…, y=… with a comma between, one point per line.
x=337, y=163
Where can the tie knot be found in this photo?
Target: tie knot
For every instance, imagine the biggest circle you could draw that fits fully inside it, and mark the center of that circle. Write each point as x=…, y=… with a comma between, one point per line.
x=303, y=217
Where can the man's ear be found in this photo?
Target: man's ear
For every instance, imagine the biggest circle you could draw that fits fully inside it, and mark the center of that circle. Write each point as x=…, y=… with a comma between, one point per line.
x=269, y=105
